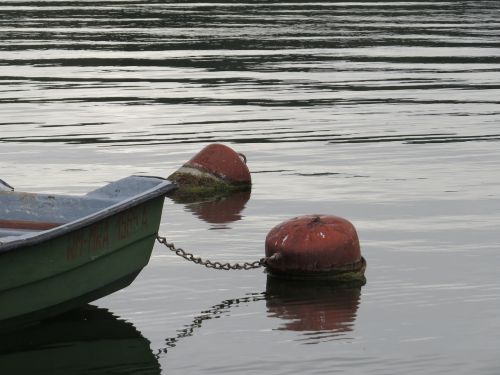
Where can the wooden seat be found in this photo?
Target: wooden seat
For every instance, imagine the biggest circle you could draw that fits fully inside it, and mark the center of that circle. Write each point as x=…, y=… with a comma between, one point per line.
x=27, y=224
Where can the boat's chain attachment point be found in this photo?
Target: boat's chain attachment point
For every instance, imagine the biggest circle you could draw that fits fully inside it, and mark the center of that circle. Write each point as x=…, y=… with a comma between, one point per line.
x=208, y=263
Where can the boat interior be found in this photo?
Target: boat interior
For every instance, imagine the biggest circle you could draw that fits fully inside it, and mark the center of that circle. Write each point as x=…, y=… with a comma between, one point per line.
x=22, y=213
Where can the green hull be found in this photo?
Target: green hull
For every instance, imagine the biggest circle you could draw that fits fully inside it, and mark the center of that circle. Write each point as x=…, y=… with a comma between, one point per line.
x=68, y=270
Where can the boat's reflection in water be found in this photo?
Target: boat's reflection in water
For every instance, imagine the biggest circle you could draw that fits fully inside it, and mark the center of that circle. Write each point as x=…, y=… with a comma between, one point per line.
x=319, y=310
x=89, y=340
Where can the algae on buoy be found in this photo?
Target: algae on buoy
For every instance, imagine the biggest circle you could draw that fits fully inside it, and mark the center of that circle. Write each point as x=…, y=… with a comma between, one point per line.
x=215, y=170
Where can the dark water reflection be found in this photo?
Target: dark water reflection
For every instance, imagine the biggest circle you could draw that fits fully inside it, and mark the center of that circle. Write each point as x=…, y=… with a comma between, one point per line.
x=86, y=341
x=258, y=56
x=319, y=310
x=92, y=340
x=139, y=25
x=222, y=209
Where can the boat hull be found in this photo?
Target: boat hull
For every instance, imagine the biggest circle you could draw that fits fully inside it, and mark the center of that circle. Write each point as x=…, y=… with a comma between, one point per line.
x=79, y=266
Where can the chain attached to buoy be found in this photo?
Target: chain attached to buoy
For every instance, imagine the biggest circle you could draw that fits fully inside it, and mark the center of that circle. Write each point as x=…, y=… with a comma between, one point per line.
x=307, y=248
x=208, y=263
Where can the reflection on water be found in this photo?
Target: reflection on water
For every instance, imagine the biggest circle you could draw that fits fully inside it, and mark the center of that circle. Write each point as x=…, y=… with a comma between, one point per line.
x=216, y=311
x=384, y=112
x=220, y=209
x=85, y=341
x=319, y=310
x=92, y=340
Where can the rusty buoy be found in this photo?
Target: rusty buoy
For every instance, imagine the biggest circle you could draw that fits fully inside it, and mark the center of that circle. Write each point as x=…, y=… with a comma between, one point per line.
x=216, y=169
x=315, y=247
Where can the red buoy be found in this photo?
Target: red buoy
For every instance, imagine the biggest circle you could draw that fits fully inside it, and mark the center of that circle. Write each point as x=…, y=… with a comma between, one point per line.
x=216, y=169
x=315, y=247
x=223, y=162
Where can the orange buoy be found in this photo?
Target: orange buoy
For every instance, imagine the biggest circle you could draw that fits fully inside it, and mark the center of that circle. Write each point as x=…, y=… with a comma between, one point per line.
x=222, y=162
x=215, y=169
x=315, y=247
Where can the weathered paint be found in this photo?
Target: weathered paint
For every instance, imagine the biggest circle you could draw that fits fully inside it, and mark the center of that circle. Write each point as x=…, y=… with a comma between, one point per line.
x=215, y=170
x=48, y=272
x=315, y=247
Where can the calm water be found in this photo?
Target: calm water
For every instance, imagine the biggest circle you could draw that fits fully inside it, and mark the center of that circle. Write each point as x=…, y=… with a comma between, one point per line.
x=386, y=113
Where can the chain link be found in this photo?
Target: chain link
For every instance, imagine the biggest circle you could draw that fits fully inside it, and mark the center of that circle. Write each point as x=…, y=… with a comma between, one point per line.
x=208, y=263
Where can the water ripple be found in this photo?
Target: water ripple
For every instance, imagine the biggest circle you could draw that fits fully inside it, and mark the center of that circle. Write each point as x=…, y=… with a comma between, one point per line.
x=383, y=112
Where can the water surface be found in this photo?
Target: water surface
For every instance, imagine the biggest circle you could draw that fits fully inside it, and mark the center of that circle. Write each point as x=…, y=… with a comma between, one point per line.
x=385, y=113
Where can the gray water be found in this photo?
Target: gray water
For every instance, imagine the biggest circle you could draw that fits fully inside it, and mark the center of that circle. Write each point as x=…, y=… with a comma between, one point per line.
x=385, y=113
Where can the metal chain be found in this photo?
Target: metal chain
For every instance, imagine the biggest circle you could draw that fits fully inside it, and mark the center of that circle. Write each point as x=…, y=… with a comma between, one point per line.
x=208, y=263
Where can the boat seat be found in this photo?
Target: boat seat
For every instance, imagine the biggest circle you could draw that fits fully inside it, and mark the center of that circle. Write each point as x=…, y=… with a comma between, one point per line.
x=27, y=225
x=21, y=227
x=14, y=228
x=12, y=232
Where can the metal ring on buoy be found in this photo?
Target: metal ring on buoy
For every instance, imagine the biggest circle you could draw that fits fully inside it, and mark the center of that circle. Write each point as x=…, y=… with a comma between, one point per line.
x=243, y=157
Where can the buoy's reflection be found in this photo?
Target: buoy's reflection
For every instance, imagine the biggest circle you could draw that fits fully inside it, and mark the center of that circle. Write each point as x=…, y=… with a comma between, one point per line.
x=318, y=310
x=313, y=307
x=221, y=209
x=84, y=341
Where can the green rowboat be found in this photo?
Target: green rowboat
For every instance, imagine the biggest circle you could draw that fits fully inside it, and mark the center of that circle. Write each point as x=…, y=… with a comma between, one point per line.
x=58, y=252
